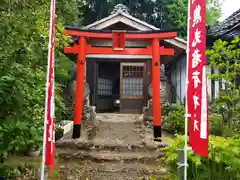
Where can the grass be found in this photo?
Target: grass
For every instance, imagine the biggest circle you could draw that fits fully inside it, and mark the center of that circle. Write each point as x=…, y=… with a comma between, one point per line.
x=22, y=167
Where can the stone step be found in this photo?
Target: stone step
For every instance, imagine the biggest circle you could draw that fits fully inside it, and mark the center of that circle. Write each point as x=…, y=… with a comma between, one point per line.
x=117, y=118
x=113, y=171
x=101, y=145
x=107, y=156
x=123, y=167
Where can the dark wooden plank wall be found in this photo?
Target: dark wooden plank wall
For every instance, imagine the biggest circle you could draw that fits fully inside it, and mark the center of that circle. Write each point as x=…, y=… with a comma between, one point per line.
x=91, y=79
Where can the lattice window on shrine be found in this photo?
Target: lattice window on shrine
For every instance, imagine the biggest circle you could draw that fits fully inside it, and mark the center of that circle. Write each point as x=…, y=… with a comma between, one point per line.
x=104, y=87
x=132, y=81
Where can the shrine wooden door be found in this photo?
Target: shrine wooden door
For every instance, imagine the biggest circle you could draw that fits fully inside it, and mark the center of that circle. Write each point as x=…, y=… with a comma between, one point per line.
x=131, y=87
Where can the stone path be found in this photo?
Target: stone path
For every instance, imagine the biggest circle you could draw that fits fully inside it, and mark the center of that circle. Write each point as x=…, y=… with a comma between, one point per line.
x=122, y=149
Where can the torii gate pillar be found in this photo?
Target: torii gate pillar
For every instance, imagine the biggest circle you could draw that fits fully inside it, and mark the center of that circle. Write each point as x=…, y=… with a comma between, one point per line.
x=79, y=101
x=156, y=89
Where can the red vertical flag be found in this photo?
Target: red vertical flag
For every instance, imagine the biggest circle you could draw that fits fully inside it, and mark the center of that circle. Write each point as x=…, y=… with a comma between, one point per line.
x=50, y=106
x=197, y=106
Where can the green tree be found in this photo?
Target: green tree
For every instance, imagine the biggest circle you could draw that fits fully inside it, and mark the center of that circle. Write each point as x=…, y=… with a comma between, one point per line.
x=225, y=56
x=164, y=14
x=23, y=56
x=176, y=12
x=24, y=32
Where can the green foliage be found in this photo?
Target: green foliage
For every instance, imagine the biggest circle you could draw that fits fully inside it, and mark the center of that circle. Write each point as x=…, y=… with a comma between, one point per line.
x=236, y=120
x=216, y=125
x=12, y=137
x=222, y=163
x=17, y=166
x=219, y=128
x=174, y=122
x=23, y=52
x=33, y=136
x=174, y=118
x=225, y=56
x=10, y=172
x=24, y=30
x=176, y=13
x=20, y=136
x=161, y=13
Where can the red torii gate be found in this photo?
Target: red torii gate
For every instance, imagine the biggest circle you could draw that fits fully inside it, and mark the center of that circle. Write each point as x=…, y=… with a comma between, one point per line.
x=118, y=47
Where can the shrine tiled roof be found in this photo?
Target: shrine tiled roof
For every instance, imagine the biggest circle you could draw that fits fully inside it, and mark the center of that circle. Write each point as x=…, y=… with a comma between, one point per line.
x=226, y=27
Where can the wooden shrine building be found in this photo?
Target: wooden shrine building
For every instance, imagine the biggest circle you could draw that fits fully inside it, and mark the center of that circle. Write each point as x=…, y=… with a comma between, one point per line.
x=119, y=57
x=119, y=76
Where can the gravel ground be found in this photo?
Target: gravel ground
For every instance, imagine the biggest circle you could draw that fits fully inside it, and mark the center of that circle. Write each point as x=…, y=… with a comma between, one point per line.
x=120, y=130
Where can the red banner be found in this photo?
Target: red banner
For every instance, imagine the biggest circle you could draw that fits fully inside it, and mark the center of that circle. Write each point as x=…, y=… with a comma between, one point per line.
x=197, y=87
x=50, y=130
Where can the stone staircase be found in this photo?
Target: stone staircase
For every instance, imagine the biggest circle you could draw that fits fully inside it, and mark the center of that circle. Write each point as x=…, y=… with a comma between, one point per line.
x=122, y=146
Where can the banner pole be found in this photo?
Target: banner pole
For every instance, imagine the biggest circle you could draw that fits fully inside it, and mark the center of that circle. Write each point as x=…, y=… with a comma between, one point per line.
x=46, y=91
x=186, y=107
